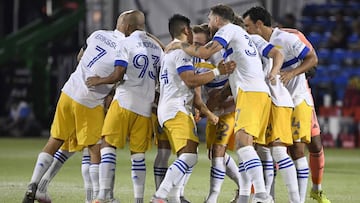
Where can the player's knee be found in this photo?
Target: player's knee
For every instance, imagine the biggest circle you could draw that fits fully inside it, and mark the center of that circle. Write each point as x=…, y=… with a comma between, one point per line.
x=297, y=151
x=218, y=150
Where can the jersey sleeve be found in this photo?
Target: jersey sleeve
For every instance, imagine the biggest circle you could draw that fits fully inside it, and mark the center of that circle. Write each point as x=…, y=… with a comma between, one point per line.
x=122, y=55
x=298, y=48
x=183, y=62
x=223, y=36
x=262, y=45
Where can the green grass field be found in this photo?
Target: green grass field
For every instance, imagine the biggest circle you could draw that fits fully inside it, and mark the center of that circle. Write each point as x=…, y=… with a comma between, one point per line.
x=17, y=158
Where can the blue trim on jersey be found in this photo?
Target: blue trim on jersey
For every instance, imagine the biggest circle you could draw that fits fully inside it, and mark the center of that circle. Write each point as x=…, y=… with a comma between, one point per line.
x=227, y=53
x=216, y=84
x=184, y=68
x=303, y=53
x=290, y=62
x=222, y=41
x=121, y=63
x=267, y=50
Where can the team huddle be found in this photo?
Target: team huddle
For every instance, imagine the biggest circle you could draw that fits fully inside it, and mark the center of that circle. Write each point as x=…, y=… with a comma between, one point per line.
x=247, y=78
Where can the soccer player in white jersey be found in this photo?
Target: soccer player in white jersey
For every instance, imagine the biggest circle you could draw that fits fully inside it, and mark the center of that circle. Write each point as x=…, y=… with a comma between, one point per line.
x=217, y=136
x=164, y=148
x=278, y=134
x=248, y=87
x=315, y=147
x=177, y=80
x=298, y=59
x=80, y=111
x=129, y=115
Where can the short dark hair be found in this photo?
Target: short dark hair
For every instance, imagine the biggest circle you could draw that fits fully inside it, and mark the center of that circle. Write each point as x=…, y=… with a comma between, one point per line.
x=258, y=13
x=177, y=23
x=223, y=11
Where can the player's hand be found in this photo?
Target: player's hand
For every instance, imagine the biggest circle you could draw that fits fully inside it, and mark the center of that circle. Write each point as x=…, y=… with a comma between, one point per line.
x=92, y=81
x=213, y=119
x=286, y=76
x=272, y=78
x=172, y=46
x=226, y=68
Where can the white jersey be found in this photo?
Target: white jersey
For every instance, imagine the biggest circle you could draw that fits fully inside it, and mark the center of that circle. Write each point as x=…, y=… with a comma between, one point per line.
x=280, y=96
x=294, y=51
x=98, y=59
x=141, y=56
x=239, y=47
x=203, y=66
x=175, y=95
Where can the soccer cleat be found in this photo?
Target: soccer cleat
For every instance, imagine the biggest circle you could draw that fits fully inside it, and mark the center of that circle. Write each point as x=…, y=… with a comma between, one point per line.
x=184, y=200
x=235, y=199
x=269, y=199
x=155, y=199
x=319, y=196
x=30, y=193
x=42, y=197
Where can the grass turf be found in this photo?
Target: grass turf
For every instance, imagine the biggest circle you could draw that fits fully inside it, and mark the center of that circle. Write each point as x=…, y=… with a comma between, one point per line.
x=18, y=156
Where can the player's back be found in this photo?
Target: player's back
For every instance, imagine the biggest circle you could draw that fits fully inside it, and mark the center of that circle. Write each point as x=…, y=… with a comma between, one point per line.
x=248, y=75
x=98, y=59
x=141, y=56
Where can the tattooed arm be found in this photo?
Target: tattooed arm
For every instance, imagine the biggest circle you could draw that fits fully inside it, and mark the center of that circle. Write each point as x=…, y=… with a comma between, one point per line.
x=202, y=51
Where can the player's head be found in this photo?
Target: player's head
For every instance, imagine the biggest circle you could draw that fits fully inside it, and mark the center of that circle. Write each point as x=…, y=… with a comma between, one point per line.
x=180, y=25
x=201, y=34
x=219, y=16
x=120, y=23
x=255, y=18
x=238, y=20
x=133, y=20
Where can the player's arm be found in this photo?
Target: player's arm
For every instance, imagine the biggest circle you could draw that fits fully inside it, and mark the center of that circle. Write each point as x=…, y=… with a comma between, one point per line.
x=203, y=52
x=199, y=104
x=309, y=61
x=278, y=60
x=114, y=77
x=193, y=80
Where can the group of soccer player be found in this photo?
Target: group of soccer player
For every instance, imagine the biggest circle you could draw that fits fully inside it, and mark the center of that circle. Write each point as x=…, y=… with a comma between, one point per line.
x=258, y=103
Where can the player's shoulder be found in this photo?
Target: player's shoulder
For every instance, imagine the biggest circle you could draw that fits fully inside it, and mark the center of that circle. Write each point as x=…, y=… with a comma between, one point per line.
x=283, y=37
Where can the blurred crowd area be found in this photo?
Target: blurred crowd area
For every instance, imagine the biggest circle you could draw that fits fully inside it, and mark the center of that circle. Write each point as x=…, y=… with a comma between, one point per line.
x=31, y=85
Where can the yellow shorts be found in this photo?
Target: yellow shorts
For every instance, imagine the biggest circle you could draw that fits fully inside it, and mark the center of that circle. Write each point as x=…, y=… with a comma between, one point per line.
x=121, y=124
x=222, y=132
x=80, y=124
x=159, y=133
x=301, y=122
x=279, y=127
x=179, y=130
x=71, y=145
x=252, y=114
